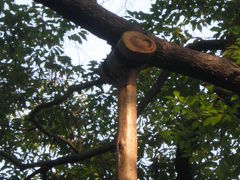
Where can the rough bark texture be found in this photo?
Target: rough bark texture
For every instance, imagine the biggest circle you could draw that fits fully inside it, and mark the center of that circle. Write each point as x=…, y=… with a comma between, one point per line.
x=91, y=16
x=127, y=129
x=110, y=27
x=206, y=45
x=219, y=71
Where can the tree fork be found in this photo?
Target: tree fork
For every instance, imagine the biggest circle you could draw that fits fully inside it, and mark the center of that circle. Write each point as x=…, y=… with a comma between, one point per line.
x=121, y=68
x=108, y=26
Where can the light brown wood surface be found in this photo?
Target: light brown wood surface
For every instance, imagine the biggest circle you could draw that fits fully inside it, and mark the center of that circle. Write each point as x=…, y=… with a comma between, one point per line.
x=127, y=129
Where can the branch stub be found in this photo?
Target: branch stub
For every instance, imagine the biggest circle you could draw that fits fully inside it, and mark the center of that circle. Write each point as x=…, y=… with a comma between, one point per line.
x=133, y=50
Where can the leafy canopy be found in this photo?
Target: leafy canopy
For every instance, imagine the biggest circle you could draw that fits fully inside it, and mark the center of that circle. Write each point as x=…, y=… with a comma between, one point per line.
x=187, y=115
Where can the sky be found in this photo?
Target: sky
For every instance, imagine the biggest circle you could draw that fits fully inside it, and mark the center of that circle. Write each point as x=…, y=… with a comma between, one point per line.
x=95, y=48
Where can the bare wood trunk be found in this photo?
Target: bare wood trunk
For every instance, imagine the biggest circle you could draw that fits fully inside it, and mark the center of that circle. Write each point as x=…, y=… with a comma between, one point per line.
x=127, y=129
x=120, y=69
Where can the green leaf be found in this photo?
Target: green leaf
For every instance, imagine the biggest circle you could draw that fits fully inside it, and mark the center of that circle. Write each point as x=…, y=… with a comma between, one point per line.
x=212, y=120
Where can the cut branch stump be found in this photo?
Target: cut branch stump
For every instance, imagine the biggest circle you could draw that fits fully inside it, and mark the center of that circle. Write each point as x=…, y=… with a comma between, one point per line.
x=132, y=51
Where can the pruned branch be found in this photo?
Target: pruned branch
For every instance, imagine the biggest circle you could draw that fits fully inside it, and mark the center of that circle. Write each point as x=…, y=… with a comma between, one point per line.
x=67, y=94
x=110, y=27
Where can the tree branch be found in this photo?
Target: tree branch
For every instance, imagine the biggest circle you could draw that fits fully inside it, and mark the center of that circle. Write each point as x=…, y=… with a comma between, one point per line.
x=46, y=165
x=86, y=14
x=69, y=92
x=34, y=174
x=74, y=158
x=37, y=109
x=106, y=25
x=205, y=45
x=218, y=71
x=11, y=158
x=199, y=46
x=156, y=88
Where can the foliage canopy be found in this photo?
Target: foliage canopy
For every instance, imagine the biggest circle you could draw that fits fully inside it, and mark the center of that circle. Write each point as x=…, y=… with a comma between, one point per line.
x=51, y=108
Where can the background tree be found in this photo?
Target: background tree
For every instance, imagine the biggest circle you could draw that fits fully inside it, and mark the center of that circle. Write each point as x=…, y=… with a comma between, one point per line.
x=58, y=120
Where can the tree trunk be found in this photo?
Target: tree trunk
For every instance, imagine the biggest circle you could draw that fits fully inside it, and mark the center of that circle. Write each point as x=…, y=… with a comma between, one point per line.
x=127, y=129
x=120, y=68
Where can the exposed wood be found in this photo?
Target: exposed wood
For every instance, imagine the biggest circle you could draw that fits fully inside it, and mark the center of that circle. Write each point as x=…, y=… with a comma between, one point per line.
x=127, y=129
x=137, y=46
x=120, y=68
x=133, y=50
x=110, y=27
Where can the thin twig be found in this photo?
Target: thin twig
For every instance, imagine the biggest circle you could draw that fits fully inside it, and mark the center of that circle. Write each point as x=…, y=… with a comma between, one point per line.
x=47, y=165
x=151, y=94
x=74, y=158
x=67, y=94
x=11, y=158
x=34, y=174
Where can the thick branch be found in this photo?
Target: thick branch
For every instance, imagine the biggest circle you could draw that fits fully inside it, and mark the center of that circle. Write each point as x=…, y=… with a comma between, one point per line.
x=86, y=13
x=156, y=88
x=108, y=26
x=37, y=109
x=206, y=45
x=218, y=71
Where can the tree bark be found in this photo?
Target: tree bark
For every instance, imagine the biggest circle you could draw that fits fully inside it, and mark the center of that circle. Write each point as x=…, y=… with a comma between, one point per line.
x=108, y=26
x=218, y=71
